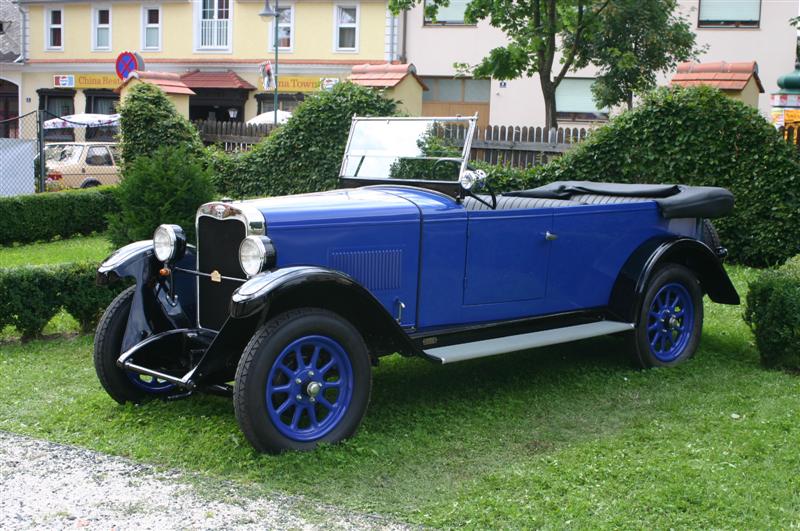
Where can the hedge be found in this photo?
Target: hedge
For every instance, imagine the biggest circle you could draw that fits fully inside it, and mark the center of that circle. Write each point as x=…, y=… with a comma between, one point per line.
x=773, y=314
x=31, y=296
x=698, y=136
x=42, y=217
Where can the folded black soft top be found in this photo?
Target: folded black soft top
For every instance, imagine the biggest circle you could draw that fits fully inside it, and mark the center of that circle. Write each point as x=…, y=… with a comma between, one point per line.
x=674, y=200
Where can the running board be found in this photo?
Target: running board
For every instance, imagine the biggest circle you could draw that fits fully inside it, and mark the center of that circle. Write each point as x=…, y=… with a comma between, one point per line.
x=503, y=345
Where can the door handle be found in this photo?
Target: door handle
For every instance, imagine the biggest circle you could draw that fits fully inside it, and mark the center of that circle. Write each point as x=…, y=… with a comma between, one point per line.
x=83, y=170
x=549, y=236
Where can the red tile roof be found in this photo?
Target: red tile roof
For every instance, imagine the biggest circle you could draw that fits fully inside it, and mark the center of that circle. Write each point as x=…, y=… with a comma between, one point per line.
x=384, y=75
x=220, y=80
x=722, y=75
x=167, y=81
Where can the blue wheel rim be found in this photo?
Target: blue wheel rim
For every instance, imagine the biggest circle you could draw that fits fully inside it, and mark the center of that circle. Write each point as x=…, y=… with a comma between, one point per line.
x=309, y=388
x=150, y=384
x=670, y=322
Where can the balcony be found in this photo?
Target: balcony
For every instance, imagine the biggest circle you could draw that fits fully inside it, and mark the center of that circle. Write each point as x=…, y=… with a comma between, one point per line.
x=214, y=34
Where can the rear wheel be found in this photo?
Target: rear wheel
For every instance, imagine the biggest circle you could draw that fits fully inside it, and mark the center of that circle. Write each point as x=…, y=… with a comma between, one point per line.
x=123, y=386
x=303, y=379
x=670, y=320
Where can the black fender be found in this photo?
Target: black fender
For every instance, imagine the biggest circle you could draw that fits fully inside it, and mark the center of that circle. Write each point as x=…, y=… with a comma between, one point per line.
x=633, y=278
x=273, y=292
x=152, y=310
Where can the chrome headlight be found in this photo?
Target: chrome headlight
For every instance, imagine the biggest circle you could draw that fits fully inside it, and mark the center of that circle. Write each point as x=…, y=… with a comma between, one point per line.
x=169, y=243
x=256, y=253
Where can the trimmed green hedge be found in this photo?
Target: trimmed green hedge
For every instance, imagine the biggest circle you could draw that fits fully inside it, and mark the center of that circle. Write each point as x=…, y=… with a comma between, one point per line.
x=773, y=314
x=698, y=136
x=42, y=217
x=31, y=296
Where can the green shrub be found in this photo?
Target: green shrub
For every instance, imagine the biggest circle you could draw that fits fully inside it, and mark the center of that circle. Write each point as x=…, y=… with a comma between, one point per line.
x=304, y=154
x=773, y=314
x=30, y=296
x=41, y=217
x=166, y=187
x=697, y=136
x=148, y=121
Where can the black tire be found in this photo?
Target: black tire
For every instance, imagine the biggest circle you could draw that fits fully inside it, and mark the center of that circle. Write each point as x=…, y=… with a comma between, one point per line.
x=681, y=282
x=263, y=353
x=107, y=346
x=92, y=183
x=710, y=235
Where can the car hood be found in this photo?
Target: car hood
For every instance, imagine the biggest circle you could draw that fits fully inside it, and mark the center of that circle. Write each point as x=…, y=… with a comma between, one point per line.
x=362, y=205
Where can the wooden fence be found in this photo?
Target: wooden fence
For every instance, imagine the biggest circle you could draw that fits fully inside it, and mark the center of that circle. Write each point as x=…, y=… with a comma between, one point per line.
x=232, y=136
x=512, y=145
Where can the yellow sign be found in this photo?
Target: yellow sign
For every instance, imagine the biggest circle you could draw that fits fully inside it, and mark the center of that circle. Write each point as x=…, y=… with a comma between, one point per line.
x=786, y=117
x=299, y=83
x=87, y=81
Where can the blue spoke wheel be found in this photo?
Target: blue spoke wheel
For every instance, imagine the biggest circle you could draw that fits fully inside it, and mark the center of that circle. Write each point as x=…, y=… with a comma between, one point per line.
x=309, y=388
x=670, y=318
x=303, y=379
x=150, y=384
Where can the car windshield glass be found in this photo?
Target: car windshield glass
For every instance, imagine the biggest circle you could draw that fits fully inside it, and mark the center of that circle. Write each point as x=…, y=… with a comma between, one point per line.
x=67, y=154
x=411, y=149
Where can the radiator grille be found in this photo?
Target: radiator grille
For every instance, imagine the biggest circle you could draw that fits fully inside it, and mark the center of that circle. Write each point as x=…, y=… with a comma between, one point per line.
x=218, y=250
x=376, y=269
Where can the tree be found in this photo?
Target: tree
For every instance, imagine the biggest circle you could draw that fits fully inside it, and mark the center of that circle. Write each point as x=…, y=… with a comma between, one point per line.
x=538, y=31
x=634, y=41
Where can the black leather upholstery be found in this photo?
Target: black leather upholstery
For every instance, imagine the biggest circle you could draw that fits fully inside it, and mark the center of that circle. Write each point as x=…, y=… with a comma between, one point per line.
x=594, y=199
x=509, y=203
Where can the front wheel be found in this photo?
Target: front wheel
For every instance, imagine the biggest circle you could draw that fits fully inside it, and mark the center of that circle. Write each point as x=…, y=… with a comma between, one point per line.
x=303, y=379
x=670, y=320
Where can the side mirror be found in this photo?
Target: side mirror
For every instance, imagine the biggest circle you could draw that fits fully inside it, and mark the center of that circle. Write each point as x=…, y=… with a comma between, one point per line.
x=472, y=179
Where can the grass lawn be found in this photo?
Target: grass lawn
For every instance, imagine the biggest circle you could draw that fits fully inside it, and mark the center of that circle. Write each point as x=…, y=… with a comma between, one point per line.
x=77, y=249
x=569, y=436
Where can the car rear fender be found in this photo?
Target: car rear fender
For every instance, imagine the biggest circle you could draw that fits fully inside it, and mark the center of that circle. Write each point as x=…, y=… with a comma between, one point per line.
x=274, y=292
x=633, y=278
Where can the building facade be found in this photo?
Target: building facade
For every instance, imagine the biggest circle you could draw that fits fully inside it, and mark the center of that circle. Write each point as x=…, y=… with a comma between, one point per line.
x=221, y=49
x=731, y=30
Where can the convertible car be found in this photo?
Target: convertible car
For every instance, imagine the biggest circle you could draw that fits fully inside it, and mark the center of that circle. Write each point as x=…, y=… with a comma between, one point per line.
x=286, y=303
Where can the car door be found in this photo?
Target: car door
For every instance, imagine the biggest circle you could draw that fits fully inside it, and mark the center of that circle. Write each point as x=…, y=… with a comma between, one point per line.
x=507, y=260
x=99, y=165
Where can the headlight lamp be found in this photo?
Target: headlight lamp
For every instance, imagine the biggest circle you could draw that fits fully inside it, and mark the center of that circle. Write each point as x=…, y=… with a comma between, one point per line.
x=169, y=243
x=256, y=253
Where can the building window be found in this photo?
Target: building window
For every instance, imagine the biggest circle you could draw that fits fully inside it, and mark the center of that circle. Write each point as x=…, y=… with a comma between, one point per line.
x=101, y=101
x=101, y=28
x=55, y=28
x=2, y=27
x=735, y=13
x=457, y=90
x=452, y=14
x=285, y=29
x=575, y=103
x=215, y=24
x=56, y=103
x=346, y=34
x=151, y=28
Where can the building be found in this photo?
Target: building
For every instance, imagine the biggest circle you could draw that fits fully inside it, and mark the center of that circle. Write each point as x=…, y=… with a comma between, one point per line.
x=733, y=31
x=220, y=49
x=10, y=50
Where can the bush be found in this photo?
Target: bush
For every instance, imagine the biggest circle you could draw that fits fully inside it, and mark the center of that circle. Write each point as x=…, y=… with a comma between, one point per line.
x=166, y=187
x=148, y=121
x=304, y=154
x=697, y=136
x=773, y=314
x=39, y=217
x=30, y=296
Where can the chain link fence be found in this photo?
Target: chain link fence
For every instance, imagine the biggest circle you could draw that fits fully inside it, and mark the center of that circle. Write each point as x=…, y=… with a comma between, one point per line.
x=43, y=152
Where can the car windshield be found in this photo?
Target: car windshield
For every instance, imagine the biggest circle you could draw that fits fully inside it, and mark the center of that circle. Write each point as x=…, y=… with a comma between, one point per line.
x=62, y=153
x=424, y=149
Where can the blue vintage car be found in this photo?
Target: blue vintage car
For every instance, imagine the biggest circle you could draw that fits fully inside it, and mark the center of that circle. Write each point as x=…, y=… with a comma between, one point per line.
x=287, y=302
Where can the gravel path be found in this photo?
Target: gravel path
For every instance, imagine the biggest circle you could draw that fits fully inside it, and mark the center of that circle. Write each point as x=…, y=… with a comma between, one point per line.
x=45, y=485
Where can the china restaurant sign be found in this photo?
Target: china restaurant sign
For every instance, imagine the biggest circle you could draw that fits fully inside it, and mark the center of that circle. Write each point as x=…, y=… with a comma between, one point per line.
x=86, y=81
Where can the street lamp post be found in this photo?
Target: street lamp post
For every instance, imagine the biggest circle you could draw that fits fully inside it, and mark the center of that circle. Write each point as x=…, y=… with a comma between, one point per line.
x=269, y=12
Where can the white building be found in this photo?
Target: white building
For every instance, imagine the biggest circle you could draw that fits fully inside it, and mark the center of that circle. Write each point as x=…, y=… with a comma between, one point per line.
x=732, y=30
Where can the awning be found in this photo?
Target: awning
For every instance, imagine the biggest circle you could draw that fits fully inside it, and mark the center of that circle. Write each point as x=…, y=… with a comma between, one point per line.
x=199, y=79
x=83, y=120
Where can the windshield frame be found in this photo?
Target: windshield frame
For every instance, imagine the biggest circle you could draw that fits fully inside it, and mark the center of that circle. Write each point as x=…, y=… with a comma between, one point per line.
x=443, y=186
